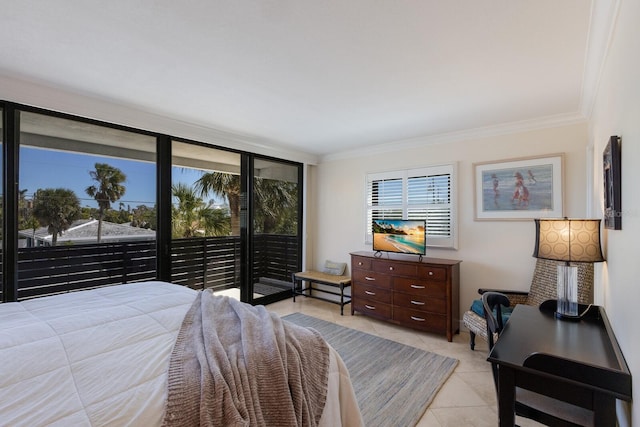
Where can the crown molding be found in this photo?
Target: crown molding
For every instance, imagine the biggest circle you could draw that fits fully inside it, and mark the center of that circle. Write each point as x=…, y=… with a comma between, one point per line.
x=557, y=120
x=604, y=15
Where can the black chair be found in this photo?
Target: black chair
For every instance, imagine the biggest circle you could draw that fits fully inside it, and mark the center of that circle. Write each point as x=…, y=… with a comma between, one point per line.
x=529, y=404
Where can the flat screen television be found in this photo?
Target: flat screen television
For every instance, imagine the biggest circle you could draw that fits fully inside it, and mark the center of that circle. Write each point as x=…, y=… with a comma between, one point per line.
x=405, y=236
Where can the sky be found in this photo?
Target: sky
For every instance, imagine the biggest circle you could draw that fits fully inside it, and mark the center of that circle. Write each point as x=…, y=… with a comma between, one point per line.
x=41, y=169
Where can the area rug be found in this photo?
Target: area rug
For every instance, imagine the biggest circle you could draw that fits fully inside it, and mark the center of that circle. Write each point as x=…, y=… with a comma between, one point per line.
x=394, y=383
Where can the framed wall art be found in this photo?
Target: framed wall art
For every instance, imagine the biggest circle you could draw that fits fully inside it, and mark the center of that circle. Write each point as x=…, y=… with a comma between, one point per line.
x=519, y=189
x=611, y=160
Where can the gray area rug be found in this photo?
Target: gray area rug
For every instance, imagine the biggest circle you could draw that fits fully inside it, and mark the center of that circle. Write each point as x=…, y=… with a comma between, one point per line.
x=394, y=383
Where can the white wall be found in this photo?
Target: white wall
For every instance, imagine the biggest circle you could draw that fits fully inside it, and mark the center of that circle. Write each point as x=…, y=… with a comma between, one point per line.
x=495, y=254
x=617, y=112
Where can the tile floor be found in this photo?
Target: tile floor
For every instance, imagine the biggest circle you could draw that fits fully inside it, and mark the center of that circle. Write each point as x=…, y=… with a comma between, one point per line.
x=468, y=397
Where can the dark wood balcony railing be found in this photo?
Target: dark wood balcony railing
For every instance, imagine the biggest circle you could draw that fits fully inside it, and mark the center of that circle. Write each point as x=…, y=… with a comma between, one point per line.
x=207, y=262
x=211, y=262
x=51, y=270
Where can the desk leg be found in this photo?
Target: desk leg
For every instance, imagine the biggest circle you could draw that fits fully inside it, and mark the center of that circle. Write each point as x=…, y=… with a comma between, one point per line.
x=507, y=397
x=604, y=409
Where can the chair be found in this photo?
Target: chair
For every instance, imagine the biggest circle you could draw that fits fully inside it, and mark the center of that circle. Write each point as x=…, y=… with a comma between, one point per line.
x=492, y=302
x=529, y=404
x=543, y=287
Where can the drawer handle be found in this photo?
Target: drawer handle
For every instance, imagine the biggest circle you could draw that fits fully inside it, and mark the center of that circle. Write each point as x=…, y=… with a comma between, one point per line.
x=369, y=278
x=369, y=293
x=390, y=268
x=370, y=307
x=417, y=319
x=431, y=273
x=417, y=286
x=360, y=263
x=417, y=302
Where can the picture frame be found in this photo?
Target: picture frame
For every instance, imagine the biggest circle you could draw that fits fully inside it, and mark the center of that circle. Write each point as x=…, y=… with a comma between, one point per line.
x=611, y=162
x=519, y=189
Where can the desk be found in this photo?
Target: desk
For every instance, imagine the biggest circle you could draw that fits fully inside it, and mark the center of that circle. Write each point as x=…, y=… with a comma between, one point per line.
x=579, y=362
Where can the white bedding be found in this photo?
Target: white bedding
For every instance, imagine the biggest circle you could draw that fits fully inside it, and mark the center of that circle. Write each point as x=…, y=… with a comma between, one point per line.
x=100, y=358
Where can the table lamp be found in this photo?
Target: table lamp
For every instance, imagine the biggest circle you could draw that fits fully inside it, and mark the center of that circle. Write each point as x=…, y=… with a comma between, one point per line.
x=571, y=241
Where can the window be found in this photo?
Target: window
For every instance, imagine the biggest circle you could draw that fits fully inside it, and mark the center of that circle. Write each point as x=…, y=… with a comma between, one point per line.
x=83, y=183
x=424, y=193
x=85, y=212
x=86, y=205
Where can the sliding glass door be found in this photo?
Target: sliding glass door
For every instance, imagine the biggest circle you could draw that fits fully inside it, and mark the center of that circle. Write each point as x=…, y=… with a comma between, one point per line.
x=205, y=218
x=276, y=222
x=214, y=222
x=1, y=201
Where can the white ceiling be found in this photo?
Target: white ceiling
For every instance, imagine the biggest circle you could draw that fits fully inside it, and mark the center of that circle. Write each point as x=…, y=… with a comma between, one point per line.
x=320, y=77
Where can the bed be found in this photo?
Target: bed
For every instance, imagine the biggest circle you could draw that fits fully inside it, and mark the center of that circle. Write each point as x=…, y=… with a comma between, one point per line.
x=101, y=357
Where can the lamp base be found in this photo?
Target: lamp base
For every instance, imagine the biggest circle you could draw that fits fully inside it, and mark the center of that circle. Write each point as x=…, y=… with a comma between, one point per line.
x=567, y=307
x=563, y=316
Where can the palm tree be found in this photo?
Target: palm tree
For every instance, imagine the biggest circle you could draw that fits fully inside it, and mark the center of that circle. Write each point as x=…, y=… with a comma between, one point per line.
x=23, y=211
x=109, y=189
x=223, y=185
x=32, y=224
x=191, y=217
x=276, y=206
x=215, y=221
x=56, y=209
x=185, y=218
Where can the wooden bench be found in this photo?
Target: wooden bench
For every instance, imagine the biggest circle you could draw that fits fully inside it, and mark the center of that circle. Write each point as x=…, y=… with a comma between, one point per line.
x=318, y=277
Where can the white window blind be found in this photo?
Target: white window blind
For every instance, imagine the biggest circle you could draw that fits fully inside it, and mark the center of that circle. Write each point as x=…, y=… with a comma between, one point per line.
x=424, y=193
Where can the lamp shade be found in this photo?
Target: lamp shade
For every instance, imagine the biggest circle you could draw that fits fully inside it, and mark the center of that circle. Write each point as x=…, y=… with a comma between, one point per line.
x=570, y=240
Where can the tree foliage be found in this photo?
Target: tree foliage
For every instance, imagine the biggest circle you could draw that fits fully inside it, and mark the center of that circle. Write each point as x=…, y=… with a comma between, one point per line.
x=276, y=201
x=144, y=217
x=56, y=209
x=276, y=206
x=224, y=185
x=192, y=217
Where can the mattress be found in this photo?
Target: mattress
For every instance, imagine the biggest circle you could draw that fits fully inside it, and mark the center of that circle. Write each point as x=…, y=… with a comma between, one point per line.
x=100, y=358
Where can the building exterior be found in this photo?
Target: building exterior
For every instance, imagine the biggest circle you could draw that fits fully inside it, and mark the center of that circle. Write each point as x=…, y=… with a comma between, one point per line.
x=85, y=231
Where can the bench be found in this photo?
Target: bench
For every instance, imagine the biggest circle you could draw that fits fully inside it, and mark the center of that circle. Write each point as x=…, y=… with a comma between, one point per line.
x=321, y=278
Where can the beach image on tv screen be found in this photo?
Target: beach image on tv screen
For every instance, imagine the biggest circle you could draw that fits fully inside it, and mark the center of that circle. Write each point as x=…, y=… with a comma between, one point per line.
x=404, y=236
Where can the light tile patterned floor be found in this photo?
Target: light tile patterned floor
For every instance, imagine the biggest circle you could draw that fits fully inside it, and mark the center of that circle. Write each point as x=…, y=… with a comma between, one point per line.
x=468, y=397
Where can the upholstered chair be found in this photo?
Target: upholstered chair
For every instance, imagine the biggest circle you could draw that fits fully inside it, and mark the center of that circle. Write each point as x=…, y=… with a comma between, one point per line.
x=543, y=287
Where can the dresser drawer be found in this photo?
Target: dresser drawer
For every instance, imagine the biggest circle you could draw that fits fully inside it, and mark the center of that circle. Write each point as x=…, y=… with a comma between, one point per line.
x=420, y=303
x=419, y=286
x=371, y=293
x=360, y=262
x=370, y=308
x=372, y=278
x=433, y=273
x=395, y=268
x=420, y=320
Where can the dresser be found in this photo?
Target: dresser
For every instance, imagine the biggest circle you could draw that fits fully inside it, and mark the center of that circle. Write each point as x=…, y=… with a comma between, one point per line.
x=423, y=294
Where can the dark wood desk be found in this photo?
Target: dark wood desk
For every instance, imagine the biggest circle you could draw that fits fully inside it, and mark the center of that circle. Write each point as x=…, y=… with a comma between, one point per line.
x=579, y=362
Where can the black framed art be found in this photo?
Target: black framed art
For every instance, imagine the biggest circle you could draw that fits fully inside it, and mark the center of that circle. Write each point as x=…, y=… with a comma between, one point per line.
x=611, y=160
